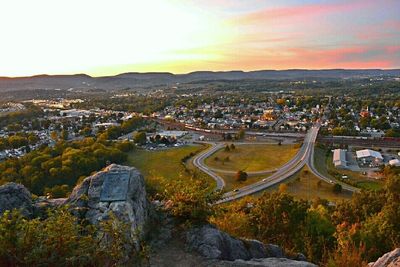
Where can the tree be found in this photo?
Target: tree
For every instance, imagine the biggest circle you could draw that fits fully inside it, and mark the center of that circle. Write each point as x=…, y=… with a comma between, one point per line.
x=227, y=149
x=283, y=188
x=64, y=134
x=232, y=147
x=140, y=138
x=241, y=134
x=337, y=188
x=16, y=141
x=280, y=101
x=241, y=176
x=280, y=219
x=54, y=135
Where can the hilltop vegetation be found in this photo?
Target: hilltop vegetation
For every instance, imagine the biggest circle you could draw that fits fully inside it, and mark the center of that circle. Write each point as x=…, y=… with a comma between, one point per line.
x=352, y=232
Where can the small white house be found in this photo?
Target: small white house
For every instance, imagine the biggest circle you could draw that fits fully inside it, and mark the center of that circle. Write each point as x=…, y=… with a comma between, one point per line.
x=394, y=162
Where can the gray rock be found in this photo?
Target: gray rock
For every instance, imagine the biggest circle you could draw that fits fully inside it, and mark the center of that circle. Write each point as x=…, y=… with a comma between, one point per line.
x=256, y=248
x=117, y=189
x=42, y=204
x=16, y=196
x=215, y=244
x=274, y=251
x=390, y=259
x=265, y=262
x=300, y=257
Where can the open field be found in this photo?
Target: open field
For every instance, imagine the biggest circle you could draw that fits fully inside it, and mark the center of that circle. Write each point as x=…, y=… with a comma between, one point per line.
x=254, y=157
x=165, y=164
x=305, y=185
x=323, y=163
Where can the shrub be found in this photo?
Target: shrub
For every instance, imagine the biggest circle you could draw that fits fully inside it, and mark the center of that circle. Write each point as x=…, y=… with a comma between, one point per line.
x=62, y=240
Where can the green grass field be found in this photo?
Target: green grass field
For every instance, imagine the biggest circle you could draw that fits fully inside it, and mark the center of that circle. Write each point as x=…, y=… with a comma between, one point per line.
x=165, y=164
x=324, y=165
x=252, y=157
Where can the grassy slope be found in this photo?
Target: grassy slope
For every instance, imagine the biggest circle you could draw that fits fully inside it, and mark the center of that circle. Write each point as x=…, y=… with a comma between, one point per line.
x=253, y=157
x=231, y=182
x=164, y=164
x=304, y=185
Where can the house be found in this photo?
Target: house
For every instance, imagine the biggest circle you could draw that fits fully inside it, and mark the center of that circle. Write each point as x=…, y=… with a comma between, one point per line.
x=368, y=156
x=339, y=158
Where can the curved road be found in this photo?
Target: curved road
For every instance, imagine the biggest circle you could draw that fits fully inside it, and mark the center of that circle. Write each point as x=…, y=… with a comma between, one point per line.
x=305, y=156
x=198, y=161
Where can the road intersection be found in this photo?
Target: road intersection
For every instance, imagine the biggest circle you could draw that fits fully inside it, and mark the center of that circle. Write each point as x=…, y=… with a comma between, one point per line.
x=305, y=156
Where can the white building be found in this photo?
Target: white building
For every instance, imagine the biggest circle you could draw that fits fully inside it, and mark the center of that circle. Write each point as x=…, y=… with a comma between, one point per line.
x=394, y=162
x=369, y=156
x=174, y=134
x=339, y=158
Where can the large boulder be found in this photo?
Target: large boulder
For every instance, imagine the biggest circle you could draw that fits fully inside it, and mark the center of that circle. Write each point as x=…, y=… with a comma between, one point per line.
x=390, y=259
x=15, y=196
x=212, y=243
x=117, y=189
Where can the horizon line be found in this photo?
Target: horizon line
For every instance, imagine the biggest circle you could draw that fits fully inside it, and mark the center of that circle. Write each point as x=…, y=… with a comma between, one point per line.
x=187, y=73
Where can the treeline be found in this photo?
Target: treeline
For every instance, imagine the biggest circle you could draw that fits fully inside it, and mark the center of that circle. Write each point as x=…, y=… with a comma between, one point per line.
x=126, y=127
x=20, y=117
x=18, y=140
x=56, y=170
x=134, y=103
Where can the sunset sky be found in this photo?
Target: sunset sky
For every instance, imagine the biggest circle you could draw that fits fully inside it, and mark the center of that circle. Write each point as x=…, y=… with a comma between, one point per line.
x=104, y=37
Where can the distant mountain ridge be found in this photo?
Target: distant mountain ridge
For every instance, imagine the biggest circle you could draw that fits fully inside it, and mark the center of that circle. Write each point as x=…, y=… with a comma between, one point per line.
x=137, y=79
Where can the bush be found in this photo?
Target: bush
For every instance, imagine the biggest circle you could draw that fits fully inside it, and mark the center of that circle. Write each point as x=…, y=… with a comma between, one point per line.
x=62, y=240
x=190, y=201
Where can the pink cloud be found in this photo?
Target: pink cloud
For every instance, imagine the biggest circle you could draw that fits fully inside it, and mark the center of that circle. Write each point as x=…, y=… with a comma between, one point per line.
x=343, y=57
x=302, y=11
x=392, y=49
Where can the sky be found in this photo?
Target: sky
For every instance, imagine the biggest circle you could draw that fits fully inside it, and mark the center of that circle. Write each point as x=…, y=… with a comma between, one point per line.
x=104, y=37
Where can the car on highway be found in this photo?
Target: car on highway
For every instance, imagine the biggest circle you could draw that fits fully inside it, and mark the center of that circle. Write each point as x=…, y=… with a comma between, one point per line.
x=264, y=180
x=236, y=190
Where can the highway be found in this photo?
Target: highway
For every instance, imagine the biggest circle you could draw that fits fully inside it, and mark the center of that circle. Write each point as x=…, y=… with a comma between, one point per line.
x=304, y=156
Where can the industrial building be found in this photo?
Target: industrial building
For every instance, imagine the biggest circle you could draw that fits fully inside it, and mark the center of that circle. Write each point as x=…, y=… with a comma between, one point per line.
x=368, y=156
x=339, y=158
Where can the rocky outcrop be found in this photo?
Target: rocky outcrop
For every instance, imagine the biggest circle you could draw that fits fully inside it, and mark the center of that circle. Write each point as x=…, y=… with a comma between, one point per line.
x=212, y=243
x=390, y=259
x=225, y=250
x=216, y=244
x=16, y=196
x=266, y=262
x=117, y=189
